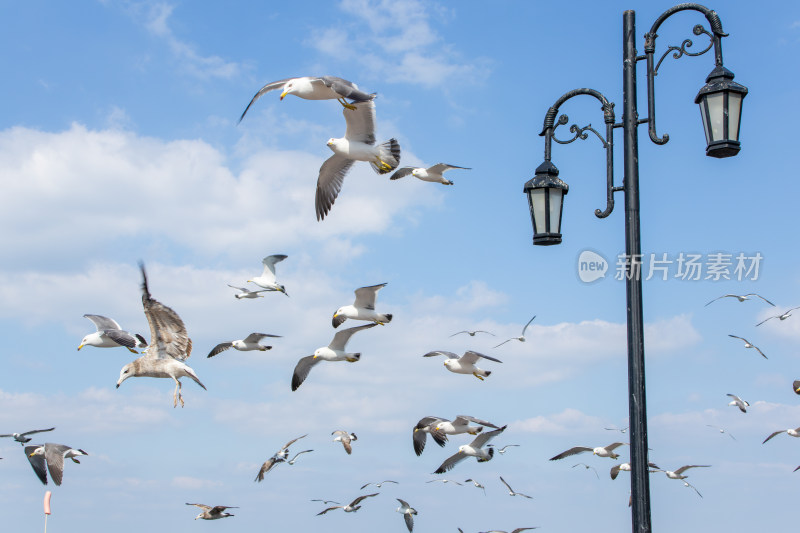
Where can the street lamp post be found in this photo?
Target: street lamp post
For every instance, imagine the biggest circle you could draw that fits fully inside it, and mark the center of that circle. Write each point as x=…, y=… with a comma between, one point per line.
x=720, y=103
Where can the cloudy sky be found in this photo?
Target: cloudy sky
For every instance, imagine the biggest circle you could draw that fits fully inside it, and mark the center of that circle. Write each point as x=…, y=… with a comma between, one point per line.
x=120, y=142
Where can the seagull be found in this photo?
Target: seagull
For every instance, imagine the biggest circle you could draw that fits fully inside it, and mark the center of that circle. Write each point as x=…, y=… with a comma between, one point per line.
x=721, y=431
x=249, y=343
x=521, y=338
x=511, y=491
x=109, y=335
x=212, y=513
x=333, y=352
x=473, y=449
x=22, y=438
x=473, y=332
x=445, y=481
x=345, y=438
x=782, y=316
x=791, y=432
x=316, y=88
x=379, y=485
x=626, y=467
x=621, y=430
x=503, y=449
x=477, y=485
x=326, y=502
x=587, y=467
x=363, y=308
x=518, y=530
x=687, y=484
x=464, y=364
x=358, y=144
x=407, y=511
x=53, y=455
x=796, y=386
x=298, y=454
x=738, y=402
x=748, y=344
x=601, y=451
x=246, y=293
x=279, y=457
x=352, y=507
x=741, y=298
x=170, y=346
x=678, y=474
x=423, y=428
x=432, y=174
x=267, y=278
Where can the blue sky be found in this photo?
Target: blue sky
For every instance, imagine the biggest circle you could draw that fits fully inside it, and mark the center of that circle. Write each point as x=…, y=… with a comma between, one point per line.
x=119, y=142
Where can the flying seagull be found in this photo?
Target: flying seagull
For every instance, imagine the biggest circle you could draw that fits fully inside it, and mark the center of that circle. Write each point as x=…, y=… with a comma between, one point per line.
x=351, y=507
x=246, y=293
x=267, y=279
x=521, y=338
x=345, y=438
x=503, y=449
x=333, y=352
x=170, y=346
x=315, y=88
x=748, y=344
x=626, y=467
x=249, y=343
x=358, y=144
x=796, y=386
x=22, y=438
x=212, y=513
x=432, y=174
x=379, y=485
x=687, y=484
x=421, y=431
x=363, y=308
x=298, y=454
x=473, y=449
x=279, y=457
x=721, y=430
x=678, y=474
x=782, y=316
x=791, y=432
x=477, y=485
x=53, y=455
x=518, y=530
x=621, y=430
x=473, y=332
x=741, y=298
x=600, y=451
x=445, y=481
x=460, y=425
x=511, y=491
x=464, y=364
x=738, y=402
x=407, y=512
x=110, y=335
x=325, y=502
x=587, y=467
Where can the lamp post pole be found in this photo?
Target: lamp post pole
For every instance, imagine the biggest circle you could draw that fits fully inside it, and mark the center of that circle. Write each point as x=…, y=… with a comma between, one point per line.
x=720, y=104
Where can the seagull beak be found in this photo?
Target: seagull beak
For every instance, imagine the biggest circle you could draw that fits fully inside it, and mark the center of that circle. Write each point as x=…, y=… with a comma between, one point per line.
x=284, y=93
x=81, y=346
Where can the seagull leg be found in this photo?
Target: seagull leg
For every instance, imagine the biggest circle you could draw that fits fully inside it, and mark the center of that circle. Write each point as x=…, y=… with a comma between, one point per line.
x=132, y=350
x=342, y=101
x=477, y=376
x=383, y=165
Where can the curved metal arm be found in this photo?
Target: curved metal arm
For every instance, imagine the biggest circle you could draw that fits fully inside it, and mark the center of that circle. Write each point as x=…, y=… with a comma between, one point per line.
x=650, y=47
x=550, y=124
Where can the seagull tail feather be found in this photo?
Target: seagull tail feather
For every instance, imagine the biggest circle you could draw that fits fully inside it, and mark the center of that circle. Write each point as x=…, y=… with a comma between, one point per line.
x=389, y=154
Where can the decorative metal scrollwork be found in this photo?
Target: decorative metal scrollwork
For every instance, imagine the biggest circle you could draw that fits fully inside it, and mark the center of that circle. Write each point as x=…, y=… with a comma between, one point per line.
x=577, y=131
x=680, y=51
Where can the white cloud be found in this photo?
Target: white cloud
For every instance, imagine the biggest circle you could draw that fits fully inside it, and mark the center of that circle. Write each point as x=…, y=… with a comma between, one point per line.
x=567, y=422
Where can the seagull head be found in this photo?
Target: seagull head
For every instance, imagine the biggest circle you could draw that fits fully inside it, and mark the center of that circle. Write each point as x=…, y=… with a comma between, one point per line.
x=287, y=89
x=125, y=373
x=37, y=451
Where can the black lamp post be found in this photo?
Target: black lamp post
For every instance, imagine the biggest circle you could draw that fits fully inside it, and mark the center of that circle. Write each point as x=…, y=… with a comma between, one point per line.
x=720, y=105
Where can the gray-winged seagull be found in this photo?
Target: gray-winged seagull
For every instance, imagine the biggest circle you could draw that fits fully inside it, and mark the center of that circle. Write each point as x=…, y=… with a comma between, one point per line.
x=350, y=507
x=249, y=343
x=407, y=512
x=333, y=352
x=267, y=280
x=521, y=338
x=110, y=335
x=432, y=174
x=473, y=449
x=464, y=364
x=363, y=308
x=278, y=457
x=22, y=438
x=212, y=512
x=600, y=451
x=53, y=455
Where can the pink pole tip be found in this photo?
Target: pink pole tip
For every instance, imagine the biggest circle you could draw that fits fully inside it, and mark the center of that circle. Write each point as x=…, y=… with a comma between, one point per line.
x=47, y=502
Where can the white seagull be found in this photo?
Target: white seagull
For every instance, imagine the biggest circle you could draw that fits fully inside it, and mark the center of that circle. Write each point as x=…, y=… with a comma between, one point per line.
x=473, y=332
x=678, y=474
x=782, y=316
x=333, y=352
x=421, y=431
x=748, y=344
x=439, y=428
x=473, y=449
x=517, y=530
x=521, y=338
x=407, y=512
x=110, y=335
x=267, y=279
x=22, y=438
x=363, y=308
x=464, y=364
x=315, y=88
x=477, y=485
x=443, y=481
x=345, y=438
x=791, y=432
x=358, y=144
x=170, y=346
x=600, y=451
x=741, y=298
x=587, y=467
x=278, y=457
x=626, y=467
x=511, y=491
x=351, y=507
x=738, y=402
x=379, y=485
x=212, y=512
x=249, y=343
x=721, y=430
x=298, y=454
x=504, y=450
x=53, y=455
x=432, y=174
x=244, y=292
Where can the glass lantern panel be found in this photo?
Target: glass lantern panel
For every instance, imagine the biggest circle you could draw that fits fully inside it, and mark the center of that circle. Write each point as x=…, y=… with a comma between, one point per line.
x=734, y=115
x=716, y=114
x=538, y=209
x=555, y=210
